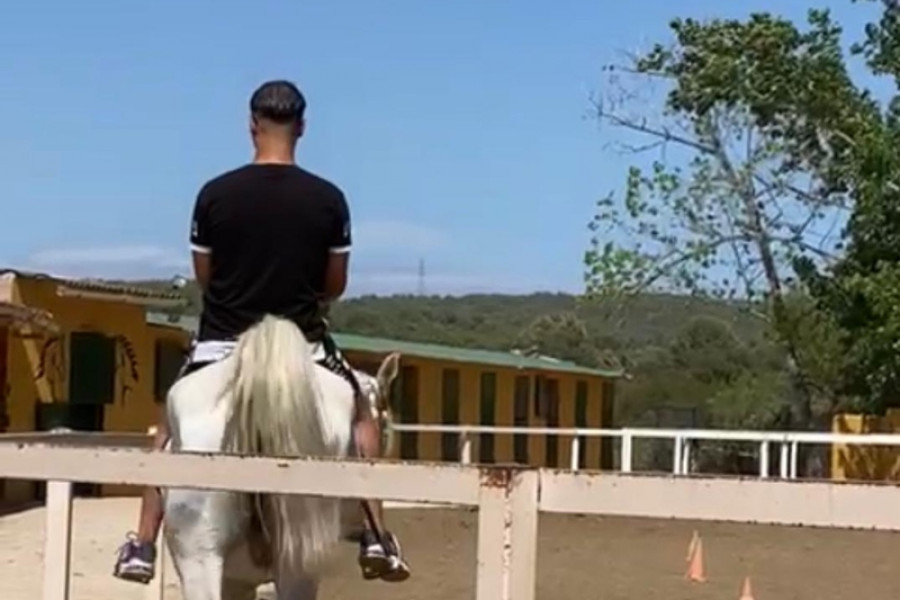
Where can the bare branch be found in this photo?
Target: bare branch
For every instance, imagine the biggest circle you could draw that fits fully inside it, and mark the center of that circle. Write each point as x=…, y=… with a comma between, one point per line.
x=633, y=71
x=806, y=196
x=643, y=148
x=664, y=133
x=805, y=246
x=678, y=257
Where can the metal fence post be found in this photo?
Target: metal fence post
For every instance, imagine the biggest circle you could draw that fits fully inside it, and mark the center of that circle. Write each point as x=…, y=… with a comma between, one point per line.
x=687, y=443
x=795, y=453
x=677, y=450
x=627, y=450
x=783, y=459
x=764, y=460
x=465, y=448
x=574, y=461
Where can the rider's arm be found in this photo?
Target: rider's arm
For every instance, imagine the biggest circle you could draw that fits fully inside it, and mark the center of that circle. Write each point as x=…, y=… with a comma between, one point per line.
x=338, y=252
x=336, y=275
x=201, y=243
x=201, y=269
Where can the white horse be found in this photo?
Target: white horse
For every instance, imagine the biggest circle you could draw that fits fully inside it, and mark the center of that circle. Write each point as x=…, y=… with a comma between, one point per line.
x=268, y=398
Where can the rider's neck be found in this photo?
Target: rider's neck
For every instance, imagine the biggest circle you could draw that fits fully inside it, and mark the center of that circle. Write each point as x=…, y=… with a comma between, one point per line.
x=273, y=154
x=273, y=158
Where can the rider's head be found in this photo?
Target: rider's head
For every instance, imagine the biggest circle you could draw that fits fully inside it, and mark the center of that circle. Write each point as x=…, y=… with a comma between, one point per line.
x=276, y=113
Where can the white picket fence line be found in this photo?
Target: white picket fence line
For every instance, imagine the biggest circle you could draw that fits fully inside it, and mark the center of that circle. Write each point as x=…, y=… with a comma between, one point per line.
x=509, y=499
x=788, y=442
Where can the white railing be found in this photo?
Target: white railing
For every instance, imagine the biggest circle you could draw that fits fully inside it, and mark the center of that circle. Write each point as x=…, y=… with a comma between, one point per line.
x=788, y=442
x=508, y=499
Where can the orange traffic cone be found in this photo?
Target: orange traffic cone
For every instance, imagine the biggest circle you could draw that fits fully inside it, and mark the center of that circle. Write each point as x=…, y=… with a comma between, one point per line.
x=693, y=545
x=746, y=592
x=695, y=571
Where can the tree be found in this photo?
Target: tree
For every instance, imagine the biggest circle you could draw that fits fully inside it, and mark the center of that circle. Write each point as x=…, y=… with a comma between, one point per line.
x=562, y=336
x=763, y=115
x=862, y=292
x=708, y=351
x=705, y=377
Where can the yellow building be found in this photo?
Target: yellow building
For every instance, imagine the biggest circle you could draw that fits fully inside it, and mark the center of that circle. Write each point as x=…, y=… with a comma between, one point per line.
x=457, y=386
x=80, y=354
x=866, y=463
x=94, y=356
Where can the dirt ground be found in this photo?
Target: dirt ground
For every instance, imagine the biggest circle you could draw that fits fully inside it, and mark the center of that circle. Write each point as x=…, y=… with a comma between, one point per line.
x=580, y=558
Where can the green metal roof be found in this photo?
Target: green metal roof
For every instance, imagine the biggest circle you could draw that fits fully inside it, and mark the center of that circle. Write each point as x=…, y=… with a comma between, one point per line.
x=360, y=343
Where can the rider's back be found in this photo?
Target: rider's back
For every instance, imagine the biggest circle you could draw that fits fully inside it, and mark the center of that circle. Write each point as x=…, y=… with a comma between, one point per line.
x=270, y=229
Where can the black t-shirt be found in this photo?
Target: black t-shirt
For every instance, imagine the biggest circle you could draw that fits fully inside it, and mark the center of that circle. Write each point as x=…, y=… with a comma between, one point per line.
x=269, y=230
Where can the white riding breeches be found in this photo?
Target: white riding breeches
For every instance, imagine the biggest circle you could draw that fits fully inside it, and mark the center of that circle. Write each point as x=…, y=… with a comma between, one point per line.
x=214, y=350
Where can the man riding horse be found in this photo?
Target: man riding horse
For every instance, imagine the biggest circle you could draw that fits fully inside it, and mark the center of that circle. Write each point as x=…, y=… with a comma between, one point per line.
x=269, y=238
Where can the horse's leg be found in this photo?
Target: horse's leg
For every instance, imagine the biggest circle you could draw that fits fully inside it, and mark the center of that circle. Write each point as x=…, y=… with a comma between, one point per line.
x=294, y=586
x=201, y=576
x=238, y=590
x=197, y=530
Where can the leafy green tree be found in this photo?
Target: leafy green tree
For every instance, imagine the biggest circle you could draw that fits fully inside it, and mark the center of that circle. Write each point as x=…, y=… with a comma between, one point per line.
x=763, y=114
x=705, y=377
x=862, y=292
x=562, y=335
x=708, y=350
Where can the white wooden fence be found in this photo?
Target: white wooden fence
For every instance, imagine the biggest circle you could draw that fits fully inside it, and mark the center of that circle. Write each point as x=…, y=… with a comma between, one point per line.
x=787, y=442
x=508, y=499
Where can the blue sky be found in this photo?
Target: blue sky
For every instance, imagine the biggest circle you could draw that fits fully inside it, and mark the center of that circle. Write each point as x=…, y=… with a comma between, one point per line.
x=458, y=130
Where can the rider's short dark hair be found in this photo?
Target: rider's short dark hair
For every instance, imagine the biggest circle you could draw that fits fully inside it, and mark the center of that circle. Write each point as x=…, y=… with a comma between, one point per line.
x=278, y=101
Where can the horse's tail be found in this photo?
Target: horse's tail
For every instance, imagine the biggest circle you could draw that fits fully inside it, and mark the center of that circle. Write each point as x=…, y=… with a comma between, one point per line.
x=277, y=411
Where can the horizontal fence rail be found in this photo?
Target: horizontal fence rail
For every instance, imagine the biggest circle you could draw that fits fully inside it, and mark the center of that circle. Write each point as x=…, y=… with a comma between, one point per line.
x=509, y=499
x=788, y=442
x=504, y=496
x=739, y=500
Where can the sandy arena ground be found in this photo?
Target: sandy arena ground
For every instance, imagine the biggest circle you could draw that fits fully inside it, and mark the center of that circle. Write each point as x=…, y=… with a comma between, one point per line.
x=580, y=558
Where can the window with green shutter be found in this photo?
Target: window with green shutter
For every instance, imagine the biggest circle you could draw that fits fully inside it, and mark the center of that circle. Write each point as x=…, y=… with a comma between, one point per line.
x=92, y=368
x=169, y=357
x=551, y=404
x=4, y=384
x=408, y=412
x=487, y=416
x=521, y=397
x=450, y=413
x=581, y=421
x=608, y=417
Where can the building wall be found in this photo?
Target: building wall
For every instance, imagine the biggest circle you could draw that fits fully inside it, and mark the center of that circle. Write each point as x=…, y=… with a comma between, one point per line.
x=429, y=403
x=39, y=373
x=39, y=367
x=866, y=463
x=5, y=336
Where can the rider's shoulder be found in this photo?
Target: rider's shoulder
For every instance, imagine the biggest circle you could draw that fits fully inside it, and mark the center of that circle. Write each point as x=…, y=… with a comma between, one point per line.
x=248, y=175
x=223, y=180
x=321, y=184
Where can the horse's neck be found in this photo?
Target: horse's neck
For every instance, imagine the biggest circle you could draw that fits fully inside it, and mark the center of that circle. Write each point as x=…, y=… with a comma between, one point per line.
x=336, y=410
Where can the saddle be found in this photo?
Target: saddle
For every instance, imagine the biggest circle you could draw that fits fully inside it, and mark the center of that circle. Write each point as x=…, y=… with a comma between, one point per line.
x=332, y=359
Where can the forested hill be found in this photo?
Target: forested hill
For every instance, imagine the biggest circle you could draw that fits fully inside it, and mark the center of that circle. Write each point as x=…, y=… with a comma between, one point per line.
x=499, y=321
x=496, y=321
x=706, y=357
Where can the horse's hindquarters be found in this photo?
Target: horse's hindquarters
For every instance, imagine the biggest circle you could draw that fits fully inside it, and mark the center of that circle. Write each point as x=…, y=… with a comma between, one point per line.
x=268, y=398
